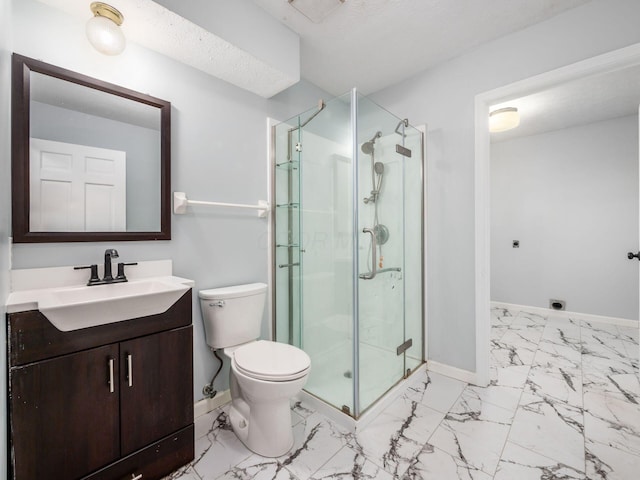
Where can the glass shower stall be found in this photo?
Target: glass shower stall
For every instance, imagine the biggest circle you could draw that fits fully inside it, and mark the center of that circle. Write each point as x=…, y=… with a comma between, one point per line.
x=348, y=247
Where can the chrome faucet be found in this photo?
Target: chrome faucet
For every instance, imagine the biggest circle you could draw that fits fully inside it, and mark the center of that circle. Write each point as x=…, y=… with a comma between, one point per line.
x=108, y=255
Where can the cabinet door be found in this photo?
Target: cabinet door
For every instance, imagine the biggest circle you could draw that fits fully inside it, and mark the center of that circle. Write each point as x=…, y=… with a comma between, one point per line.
x=156, y=381
x=65, y=415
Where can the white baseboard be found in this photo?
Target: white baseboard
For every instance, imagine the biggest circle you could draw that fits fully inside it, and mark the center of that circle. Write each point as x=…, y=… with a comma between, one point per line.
x=453, y=372
x=206, y=405
x=623, y=322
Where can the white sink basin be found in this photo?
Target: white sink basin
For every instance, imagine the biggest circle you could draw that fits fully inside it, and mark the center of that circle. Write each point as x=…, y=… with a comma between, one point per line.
x=72, y=308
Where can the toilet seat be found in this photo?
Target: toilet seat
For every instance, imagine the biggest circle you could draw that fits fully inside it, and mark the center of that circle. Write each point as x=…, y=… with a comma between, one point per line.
x=271, y=361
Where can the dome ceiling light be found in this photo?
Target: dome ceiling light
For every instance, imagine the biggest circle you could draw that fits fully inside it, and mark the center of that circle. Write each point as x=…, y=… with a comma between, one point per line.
x=103, y=29
x=503, y=119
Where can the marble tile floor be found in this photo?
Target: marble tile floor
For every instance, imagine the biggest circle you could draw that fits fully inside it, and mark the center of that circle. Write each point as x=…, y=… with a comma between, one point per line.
x=563, y=403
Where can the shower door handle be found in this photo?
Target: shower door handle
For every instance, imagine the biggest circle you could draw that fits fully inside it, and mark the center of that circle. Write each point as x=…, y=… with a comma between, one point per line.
x=374, y=261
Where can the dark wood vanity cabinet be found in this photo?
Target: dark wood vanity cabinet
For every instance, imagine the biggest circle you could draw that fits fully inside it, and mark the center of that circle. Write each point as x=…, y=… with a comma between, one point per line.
x=102, y=403
x=154, y=388
x=66, y=421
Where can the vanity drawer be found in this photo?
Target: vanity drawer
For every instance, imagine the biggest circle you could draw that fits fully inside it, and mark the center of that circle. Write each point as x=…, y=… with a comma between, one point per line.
x=153, y=462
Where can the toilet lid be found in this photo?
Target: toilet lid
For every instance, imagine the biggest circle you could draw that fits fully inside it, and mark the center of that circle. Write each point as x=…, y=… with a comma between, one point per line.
x=273, y=361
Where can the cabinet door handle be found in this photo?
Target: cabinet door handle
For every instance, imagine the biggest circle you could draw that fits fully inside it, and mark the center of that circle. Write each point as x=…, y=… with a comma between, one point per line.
x=130, y=375
x=111, y=384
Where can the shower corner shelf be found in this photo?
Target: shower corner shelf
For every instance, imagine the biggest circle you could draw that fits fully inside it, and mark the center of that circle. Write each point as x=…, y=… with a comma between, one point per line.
x=291, y=165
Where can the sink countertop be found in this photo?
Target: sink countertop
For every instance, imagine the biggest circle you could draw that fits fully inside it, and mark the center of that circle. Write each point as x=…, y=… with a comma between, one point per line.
x=28, y=286
x=55, y=277
x=26, y=300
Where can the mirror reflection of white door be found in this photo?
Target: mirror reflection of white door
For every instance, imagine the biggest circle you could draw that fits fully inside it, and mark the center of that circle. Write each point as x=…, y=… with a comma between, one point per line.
x=76, y=188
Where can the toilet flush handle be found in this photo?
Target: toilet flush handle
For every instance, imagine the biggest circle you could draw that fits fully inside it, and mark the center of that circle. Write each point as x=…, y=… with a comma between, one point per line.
x=219, y=303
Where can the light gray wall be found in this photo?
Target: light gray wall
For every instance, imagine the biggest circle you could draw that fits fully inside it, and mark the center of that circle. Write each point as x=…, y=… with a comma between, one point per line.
x=5, y=208
x=571, y=198
x=219, y=153
x=142, y=146
x=443, y=98
x=219, y=142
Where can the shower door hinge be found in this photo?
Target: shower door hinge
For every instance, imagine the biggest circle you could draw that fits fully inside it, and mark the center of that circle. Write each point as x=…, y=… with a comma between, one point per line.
x=403, y=151
x=346, y=409
x=404, y=347
x=299, y=147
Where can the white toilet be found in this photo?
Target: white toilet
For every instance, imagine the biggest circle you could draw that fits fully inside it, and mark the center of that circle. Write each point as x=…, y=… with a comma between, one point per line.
x=264, y=375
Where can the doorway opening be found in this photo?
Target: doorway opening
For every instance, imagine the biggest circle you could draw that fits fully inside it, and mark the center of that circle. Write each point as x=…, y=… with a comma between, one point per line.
x=602, y=68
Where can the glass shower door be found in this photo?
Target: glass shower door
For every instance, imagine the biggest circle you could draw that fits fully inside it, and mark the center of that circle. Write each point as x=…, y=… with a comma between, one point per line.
x=381, y=246
x=348, y=242
x=326, y=183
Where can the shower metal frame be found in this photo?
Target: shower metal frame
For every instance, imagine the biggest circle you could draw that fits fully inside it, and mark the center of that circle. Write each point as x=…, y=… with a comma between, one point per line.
x=355, y=276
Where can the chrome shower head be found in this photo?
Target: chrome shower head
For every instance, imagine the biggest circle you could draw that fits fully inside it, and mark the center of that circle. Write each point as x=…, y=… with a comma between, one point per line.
x=367, y=147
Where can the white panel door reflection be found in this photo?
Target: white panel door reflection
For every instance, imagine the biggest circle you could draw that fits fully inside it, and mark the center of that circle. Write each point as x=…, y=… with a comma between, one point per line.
x=76, y=188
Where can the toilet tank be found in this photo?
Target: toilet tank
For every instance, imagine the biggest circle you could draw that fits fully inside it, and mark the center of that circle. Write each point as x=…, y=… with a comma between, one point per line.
x=232, y=315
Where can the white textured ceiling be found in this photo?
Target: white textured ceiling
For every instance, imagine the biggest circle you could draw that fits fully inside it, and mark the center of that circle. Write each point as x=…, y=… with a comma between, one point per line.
x=153, y=26
x=371, y=44
x=368, y=44
x=579, y=102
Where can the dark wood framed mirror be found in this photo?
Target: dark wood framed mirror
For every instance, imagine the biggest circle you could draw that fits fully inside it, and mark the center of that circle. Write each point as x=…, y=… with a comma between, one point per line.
x=91, y=161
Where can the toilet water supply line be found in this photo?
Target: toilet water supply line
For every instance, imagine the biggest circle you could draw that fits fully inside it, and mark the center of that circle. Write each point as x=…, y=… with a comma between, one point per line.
x=208, y=390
